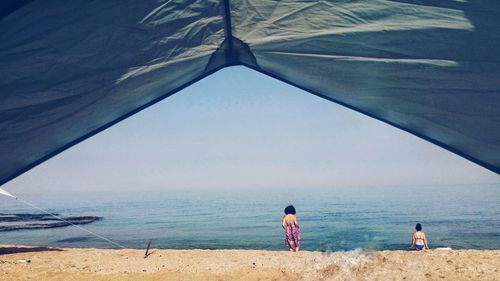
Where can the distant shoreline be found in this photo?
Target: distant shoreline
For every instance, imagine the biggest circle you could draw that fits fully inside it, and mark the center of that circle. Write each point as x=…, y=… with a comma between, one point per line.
x=39, y=263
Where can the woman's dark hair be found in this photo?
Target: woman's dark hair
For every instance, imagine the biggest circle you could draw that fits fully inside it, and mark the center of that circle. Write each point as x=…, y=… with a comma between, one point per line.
x=290, y=210
x=418, y=227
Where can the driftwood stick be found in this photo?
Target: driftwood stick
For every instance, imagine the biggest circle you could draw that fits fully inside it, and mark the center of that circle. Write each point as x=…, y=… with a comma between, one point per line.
x=147, y=249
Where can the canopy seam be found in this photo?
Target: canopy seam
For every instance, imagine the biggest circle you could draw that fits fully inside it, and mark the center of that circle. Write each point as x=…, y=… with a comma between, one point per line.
x=228, y=31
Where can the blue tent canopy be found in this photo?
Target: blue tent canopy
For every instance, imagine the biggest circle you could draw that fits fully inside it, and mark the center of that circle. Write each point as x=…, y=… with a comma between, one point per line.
x=70, y=69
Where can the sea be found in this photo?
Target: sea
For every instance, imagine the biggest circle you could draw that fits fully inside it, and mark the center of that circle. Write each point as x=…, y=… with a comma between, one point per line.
x=331, y=219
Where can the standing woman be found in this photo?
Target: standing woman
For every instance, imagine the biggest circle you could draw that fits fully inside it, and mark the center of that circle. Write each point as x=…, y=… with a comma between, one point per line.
x=419, y=241
x=291, y=227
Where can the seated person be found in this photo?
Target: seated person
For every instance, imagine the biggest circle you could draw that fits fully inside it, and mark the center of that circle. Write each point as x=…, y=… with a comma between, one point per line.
x=419, y=241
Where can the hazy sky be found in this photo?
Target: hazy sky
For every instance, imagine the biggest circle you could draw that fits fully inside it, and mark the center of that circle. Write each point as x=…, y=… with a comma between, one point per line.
x=240, y=129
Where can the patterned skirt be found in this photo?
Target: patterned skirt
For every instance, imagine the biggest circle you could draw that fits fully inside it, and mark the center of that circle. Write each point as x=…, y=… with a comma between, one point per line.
x=292, y=236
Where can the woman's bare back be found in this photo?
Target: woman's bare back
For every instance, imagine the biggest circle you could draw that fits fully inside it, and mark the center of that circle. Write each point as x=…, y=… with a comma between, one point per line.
x=290, y=219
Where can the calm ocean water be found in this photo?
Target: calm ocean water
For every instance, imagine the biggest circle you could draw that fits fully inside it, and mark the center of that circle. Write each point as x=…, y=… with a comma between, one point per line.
x=331, y=219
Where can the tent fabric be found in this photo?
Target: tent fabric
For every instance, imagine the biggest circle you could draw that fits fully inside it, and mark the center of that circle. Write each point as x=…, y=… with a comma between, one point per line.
x=70, y=69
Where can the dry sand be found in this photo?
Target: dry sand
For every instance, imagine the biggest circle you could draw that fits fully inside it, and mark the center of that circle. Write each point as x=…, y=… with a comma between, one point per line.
x=37, y=263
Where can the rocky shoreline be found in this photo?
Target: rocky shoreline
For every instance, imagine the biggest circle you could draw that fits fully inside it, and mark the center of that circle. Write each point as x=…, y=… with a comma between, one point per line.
x=24, y=221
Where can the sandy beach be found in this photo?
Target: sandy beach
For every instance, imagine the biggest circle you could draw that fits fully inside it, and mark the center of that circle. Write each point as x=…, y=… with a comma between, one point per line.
x=39, y=263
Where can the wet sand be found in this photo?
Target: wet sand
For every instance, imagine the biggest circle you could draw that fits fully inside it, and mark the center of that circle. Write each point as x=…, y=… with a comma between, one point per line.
x=38, y=263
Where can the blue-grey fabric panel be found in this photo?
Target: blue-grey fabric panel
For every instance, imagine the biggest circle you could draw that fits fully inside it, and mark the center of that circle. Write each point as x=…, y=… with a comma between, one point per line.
x=68, y=68
x=71, y=68
x=429, y=67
